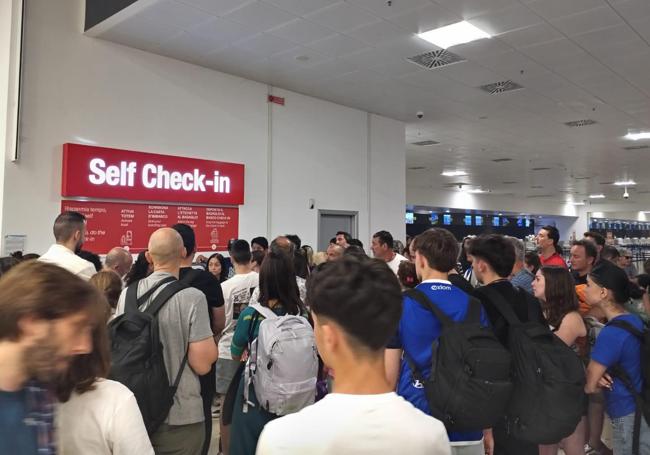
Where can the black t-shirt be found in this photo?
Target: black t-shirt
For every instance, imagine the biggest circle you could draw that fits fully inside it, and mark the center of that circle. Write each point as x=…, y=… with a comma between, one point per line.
x=460, y=282
x=208, y=284
x=518, y=300
x=579, y=279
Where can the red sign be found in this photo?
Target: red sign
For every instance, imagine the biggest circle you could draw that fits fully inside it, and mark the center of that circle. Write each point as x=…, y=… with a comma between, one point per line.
x=276, y=99
x=131, y=225
x=99, y=172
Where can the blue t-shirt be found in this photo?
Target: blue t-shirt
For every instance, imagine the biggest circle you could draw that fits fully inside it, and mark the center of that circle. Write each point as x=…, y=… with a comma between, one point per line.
x=418, y=329
x=15, y=436
x=617, y=346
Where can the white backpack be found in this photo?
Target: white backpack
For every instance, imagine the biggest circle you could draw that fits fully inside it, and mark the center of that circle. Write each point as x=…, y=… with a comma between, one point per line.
x=283, y=363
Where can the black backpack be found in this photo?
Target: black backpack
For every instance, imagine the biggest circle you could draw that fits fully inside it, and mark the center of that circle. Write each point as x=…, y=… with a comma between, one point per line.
x=137, y=354
x=549, y=378
x=469, y=385
x=642, y=399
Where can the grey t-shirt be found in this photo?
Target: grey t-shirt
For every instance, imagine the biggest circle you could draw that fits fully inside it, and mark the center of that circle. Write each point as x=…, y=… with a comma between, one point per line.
x=182, y=320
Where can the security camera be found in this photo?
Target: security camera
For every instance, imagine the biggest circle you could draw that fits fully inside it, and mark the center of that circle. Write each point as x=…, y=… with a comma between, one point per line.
x=420, y=114
x=626, y=195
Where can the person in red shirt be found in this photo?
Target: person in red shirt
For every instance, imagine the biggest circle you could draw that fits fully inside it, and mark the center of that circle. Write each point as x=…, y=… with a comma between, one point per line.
x=547, y=243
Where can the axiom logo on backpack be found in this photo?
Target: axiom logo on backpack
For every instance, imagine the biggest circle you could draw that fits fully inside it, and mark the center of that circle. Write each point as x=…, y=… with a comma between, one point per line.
x=283, y=363
x=469, y=384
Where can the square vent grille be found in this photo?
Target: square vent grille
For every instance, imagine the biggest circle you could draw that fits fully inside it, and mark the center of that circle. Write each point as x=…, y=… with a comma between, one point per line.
x=500, y=87
x=436, y=59
x=425, y=143
x=579, y=123
x=637, y=147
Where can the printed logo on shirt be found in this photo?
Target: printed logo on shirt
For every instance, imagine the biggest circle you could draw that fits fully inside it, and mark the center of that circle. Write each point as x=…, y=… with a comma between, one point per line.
x=440, y=287
x=240, y=300
x=417, y=384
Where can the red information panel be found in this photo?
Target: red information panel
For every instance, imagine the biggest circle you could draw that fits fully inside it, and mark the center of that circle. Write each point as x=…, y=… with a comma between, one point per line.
x=103, y=173
x=130, y=225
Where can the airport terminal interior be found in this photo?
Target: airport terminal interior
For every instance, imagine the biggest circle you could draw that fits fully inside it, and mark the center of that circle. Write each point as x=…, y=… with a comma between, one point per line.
x=325, y=227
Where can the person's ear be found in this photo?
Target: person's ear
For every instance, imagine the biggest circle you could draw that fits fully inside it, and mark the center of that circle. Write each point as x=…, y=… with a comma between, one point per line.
x=147, y=256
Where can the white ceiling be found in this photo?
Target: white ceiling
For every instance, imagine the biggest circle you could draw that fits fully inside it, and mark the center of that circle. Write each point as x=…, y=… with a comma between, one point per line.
x=577, y=59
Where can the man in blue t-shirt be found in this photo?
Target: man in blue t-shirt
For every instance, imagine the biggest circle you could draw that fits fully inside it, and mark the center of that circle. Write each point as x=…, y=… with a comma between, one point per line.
x=47, y=315
x=435, y=251
x=608, y=289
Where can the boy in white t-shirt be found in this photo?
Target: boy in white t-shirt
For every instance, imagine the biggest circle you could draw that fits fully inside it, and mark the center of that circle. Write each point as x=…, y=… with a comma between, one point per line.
x=237, y=293
x=356, y=306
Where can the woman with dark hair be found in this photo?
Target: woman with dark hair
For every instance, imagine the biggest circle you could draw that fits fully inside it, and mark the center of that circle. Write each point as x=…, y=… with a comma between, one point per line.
x=279, y=292
x=555, y=288
x=109, y=284
x=140, y=269
x=463, y=261
x=218, y=267
x=97, y=415
x=617, y=349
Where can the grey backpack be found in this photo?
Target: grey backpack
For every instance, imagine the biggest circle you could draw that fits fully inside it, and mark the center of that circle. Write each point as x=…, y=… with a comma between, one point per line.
x=283, y=363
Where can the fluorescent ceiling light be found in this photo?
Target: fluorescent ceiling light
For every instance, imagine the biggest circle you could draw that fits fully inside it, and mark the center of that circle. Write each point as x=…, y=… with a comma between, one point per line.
x=478, y=191
x=638, y=136
x=578, y=203
x=451, y=35
x=454, y=173
x=625, y=183
x=597, y=196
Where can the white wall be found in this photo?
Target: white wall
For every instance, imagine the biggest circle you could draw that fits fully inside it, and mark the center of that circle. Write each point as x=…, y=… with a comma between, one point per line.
x=79, y=88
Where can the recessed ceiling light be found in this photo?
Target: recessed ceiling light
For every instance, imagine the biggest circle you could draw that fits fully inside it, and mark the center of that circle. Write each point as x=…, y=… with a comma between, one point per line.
x=597, y=196
x=447, y=211
x=454, y=173
x=578, y=203
x=500, y=214
x=451, y=35
x=638, y=135
x=625, y=183
x=478, y=191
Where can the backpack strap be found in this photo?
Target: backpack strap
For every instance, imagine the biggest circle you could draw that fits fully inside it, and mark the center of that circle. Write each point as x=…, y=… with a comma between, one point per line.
x=163, y=296
x=502, y=305
x=424, y=300
x=618, y=372
x=264, y=311
x=132, y=302
x=473, y=310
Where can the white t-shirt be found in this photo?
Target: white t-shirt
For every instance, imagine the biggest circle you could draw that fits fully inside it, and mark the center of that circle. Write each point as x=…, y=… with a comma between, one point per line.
x=65, y=258
x=355, y=424
x=394, y=263
x=104, y=421
x=236, y=296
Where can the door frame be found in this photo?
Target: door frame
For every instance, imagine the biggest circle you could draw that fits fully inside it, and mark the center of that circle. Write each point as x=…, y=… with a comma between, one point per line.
x=352, y=213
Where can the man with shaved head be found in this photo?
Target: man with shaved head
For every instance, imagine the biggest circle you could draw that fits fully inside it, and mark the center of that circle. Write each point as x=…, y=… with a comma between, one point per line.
x=119, y=261
x=186, y=338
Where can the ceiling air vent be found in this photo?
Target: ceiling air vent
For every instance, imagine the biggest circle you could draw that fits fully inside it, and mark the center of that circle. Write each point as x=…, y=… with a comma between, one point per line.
x=500, y=87
x=416, y=168
x=579, y=123
x=536, y=187
x=425, y=143
x=501, y=160
x=508, y=183
x=537, y=196
x=540, y=169
x=637, y=147
x=436, y=59
x=581, y=178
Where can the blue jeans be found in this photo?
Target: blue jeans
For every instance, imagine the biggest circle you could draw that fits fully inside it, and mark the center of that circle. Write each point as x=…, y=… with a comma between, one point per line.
x=623, y=432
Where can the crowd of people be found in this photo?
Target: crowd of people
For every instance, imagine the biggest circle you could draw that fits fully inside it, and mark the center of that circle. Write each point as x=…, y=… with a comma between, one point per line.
x=430, y=347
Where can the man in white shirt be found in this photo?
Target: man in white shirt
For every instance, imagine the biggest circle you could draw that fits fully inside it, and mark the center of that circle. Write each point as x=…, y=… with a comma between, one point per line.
x=382, y=248
x=363, y=415
x=237, y=293
x=69, y=233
